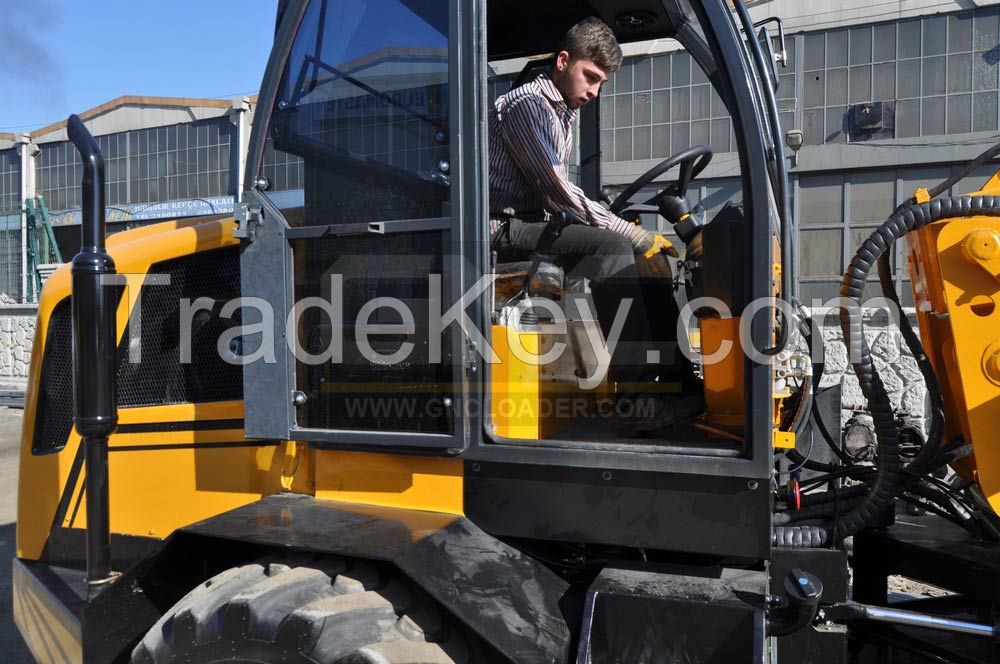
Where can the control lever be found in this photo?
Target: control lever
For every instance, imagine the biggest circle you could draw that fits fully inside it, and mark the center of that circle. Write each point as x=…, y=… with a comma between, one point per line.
x=605, y=195
x=553, y=229
x=849, y=612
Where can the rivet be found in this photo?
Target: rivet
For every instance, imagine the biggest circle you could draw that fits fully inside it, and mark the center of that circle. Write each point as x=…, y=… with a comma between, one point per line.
x=606, y=475
x=752, y=485
x=475, y=467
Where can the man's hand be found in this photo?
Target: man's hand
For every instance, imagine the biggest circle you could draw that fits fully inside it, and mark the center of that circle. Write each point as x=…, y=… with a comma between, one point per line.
x=649, y=243
x=652, y=263
x=660, y=244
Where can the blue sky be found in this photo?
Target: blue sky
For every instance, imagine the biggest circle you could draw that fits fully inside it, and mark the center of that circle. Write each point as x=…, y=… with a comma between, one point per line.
x=172, y=48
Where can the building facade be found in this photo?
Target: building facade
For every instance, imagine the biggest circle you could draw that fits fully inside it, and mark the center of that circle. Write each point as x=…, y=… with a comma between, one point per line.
x=930, y=68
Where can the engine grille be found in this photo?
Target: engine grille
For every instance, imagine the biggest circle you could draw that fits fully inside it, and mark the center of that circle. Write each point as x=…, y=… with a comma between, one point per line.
x=54, y=407
x=159, y=377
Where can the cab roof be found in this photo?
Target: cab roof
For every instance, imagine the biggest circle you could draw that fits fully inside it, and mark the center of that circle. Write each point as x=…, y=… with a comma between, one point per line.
x=518, y=28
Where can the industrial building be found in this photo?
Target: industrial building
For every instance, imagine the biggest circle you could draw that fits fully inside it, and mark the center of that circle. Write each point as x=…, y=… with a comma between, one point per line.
x=887, y=97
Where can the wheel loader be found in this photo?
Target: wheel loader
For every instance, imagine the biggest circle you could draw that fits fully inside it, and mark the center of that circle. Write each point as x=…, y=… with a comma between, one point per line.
x=335, y=428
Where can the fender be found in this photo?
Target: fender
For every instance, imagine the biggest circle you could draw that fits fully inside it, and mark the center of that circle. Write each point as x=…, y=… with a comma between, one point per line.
x=509, y=599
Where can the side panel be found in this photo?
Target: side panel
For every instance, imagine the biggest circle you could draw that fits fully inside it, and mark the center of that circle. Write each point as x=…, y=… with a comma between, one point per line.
x=390, y=480
x=172, y=462
x=719, y=516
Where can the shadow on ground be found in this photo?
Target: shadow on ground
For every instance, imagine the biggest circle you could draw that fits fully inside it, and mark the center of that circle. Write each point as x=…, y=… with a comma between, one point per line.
x=11, y=645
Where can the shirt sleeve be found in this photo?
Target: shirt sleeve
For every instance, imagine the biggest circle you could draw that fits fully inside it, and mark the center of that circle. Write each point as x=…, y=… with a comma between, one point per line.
x=528, y=130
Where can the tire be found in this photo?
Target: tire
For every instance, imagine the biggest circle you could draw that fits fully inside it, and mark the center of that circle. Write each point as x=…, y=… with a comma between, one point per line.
x=299, y=611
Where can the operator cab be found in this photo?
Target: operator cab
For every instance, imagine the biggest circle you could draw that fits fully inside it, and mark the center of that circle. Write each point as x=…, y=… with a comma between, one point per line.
x=561, y=401
x=374, y=166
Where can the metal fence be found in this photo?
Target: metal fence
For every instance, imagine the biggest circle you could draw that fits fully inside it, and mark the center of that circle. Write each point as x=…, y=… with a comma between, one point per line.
x=11, y=282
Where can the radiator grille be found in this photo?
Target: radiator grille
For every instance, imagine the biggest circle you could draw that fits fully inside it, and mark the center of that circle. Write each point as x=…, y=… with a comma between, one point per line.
x=54, y=406
x=160, y=377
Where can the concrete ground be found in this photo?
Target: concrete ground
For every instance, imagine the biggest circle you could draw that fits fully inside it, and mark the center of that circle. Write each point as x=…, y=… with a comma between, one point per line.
x=13, y=648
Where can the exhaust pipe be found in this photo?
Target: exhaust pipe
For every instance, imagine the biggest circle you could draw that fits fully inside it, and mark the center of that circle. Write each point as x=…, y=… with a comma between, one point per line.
x=95, y=411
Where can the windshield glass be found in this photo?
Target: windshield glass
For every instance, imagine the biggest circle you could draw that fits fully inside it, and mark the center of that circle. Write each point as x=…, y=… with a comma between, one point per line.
x=360, y=127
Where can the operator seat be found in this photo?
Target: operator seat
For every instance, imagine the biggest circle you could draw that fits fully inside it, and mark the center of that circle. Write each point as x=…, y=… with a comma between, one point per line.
x=548, y=281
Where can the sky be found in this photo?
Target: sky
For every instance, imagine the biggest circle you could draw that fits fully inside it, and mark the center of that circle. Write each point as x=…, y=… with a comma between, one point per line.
x=59, y=57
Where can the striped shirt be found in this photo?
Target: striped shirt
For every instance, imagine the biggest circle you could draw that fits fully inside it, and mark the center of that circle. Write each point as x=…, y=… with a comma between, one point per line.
x=531, y=139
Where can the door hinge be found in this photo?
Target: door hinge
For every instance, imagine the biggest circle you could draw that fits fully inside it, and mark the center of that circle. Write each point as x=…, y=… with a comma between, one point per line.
x=248, y=217
x=471, y=357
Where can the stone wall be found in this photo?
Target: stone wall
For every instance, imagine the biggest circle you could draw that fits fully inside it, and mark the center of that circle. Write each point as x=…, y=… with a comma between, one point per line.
x=892, y=359
x=17, y=331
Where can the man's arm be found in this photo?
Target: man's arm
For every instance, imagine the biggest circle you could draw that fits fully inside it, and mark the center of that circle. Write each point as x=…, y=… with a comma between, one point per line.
x=529, y=132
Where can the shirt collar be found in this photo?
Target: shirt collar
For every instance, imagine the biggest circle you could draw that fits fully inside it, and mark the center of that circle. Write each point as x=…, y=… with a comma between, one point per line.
x=551, y=92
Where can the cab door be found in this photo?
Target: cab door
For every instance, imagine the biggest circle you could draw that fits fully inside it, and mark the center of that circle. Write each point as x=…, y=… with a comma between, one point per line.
x=353, y=227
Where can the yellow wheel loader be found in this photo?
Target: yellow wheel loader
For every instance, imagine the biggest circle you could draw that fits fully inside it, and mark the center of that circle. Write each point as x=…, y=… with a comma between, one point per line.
x=335, y=428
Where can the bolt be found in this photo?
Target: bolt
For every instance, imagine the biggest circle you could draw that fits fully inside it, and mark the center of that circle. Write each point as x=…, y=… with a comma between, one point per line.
x=752, y=485
x=298, y=398
x=983, y=244
x=262, y=183
x=447, y=402
x=444, y=166
x=606, y=475
x=475, y=467
x=992, y=366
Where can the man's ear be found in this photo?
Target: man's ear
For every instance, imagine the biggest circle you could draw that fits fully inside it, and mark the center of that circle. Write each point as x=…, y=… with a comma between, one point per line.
x=562, y=61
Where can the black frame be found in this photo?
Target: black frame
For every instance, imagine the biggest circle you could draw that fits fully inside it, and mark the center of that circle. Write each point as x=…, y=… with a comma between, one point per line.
x=271, y=253
x=743, y=521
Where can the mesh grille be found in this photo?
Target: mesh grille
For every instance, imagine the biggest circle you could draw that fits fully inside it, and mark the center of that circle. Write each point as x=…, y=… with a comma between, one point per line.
x=160, y=377
x=54, y=407
x=358, y=394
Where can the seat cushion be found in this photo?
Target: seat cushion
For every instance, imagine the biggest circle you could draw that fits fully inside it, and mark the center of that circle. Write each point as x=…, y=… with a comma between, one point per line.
x=547, y=281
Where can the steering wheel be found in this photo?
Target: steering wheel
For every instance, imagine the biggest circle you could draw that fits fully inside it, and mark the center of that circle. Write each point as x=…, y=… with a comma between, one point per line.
x=693, y=161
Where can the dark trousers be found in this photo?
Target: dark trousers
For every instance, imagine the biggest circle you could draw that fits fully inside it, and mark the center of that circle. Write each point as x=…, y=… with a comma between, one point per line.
x=647, y=346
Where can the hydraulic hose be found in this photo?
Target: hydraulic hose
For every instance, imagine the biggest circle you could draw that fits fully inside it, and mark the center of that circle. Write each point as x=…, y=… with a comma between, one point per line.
x=888, y=475
x=932, y=446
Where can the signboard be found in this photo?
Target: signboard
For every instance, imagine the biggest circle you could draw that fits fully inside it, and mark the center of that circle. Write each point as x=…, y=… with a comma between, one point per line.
x=192, y=207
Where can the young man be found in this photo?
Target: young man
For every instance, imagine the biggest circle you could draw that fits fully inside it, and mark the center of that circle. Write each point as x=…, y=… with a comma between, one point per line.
x=530, y=141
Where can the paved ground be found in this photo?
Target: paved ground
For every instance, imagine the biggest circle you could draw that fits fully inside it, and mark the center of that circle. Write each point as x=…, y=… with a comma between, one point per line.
x=11, y=645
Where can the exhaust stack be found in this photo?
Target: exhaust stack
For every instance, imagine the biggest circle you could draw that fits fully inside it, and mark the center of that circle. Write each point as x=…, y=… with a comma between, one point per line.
x=95, y=411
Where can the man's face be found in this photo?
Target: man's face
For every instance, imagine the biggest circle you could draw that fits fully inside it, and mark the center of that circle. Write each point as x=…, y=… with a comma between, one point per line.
x=579, y=80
